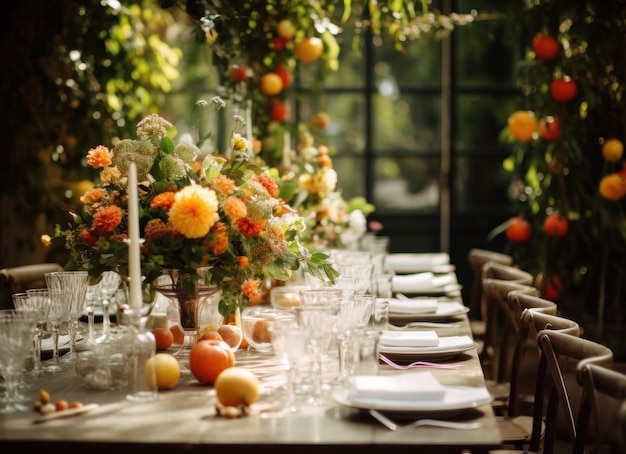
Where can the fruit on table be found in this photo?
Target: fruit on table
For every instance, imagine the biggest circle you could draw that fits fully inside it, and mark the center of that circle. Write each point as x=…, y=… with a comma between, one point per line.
x=164, y=369
x=164, y=338
x=237, y=386
x=178, y=335
x=231, y=334
x=208, y=358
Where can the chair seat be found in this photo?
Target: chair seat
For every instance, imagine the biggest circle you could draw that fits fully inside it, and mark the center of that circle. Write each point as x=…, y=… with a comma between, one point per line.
x=516, y=431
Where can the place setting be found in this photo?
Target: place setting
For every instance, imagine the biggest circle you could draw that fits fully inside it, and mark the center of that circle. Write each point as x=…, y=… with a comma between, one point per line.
x=403, y=309
x=426, y=283
x=424, y=345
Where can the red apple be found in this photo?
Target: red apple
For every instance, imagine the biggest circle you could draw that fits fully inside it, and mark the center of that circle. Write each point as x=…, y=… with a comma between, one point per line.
x=563, y=89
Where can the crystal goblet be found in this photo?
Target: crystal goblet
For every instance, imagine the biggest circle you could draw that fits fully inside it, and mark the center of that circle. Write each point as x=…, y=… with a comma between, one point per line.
x=40, y=305
x=75, y=282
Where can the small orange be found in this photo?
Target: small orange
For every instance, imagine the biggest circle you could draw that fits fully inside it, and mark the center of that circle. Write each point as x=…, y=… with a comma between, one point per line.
x=163, y=337
x=522, y=125
x=213, y=335
x=271, y=84
x=612, y=150
x=309, y=49
x=612, y=187
x=208, y=358
x=178, y=335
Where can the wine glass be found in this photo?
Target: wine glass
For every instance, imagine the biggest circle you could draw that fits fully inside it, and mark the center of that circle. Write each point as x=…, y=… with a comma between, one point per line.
x=289, y=343
x=75, y=282
x=16, y=337
x=40, y=305
x=60, y=308
x=107, y=291
x=318, y=321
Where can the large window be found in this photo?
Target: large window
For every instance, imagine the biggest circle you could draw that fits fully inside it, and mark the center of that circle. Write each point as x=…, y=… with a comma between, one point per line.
x=417, y=133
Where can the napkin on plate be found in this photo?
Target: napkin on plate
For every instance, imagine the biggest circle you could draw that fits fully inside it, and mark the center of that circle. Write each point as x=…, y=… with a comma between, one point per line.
x=446, y=344
x=409, y=339
x=421, y=282
x=414, y=385
x=407, y=262
x=413, y=306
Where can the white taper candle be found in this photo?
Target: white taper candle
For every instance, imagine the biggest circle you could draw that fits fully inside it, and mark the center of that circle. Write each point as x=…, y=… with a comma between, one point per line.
x=134, y=256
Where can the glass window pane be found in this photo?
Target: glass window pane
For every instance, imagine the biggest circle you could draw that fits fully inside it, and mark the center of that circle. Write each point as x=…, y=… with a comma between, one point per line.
x=410, y=122
x=408, y=184
x=481, y=183
x=417, y=66
x=480, y=118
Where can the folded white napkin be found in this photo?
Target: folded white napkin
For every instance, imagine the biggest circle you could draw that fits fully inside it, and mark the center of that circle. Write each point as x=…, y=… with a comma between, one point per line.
x=414, y=385
x=409, y=338
x=421, y=282
x=406, y=262
x=413, y=306
x=445, y=344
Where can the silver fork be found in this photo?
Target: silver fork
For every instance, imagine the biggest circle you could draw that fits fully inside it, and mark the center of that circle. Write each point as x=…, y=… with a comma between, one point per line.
x=385, y=421
x=423, y=325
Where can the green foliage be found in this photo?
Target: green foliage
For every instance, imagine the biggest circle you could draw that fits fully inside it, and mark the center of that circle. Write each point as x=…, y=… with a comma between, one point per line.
x=564, y=175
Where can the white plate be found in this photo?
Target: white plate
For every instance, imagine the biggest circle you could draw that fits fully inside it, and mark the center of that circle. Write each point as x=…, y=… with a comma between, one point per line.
x=445, y=311
x=406, y=262
x=457, y=399
x=449, y=347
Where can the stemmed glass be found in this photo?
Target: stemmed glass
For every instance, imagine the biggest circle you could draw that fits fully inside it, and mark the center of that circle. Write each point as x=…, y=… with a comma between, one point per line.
x=40, y=304
x=318, y=321
x=60, y=307
x=75, y=282
x=16, y=338
x=289, y=343
x=107, y=291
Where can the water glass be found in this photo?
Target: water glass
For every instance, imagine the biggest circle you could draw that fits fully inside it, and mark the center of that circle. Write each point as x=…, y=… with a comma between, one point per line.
x=359, y=352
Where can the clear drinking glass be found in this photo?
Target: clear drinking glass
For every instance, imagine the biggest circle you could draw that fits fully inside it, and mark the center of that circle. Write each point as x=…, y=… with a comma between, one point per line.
x=318, y=321
x=289, y=342
x=17, y=329
x=40, y=305
x=75, y=282
x=60, y=307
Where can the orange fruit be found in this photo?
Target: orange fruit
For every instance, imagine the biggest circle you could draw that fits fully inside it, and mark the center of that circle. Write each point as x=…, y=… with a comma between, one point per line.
x=163, y=368
x=320, y=120
x=237, y=386
x=271, y=84
x=232, y=335
x=555, y=225
x=163, y=337
x=208, y=358
x=285, y=29
x=308, y=49
x=612, y=150
x=178, y=335
x=612, y=187
x=212, y=335
x=261, y=331
x=518, y=230
x=522, y=125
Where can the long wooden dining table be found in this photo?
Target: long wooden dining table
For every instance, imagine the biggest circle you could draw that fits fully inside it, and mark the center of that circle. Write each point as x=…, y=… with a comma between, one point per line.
x=184, y=419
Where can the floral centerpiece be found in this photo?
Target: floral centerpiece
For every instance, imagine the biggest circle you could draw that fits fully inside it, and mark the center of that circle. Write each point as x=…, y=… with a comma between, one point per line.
x=308, y=181
x=214, y=221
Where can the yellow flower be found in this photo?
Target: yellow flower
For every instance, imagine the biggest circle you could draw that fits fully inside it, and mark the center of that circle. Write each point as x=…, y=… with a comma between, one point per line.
x=194, y=211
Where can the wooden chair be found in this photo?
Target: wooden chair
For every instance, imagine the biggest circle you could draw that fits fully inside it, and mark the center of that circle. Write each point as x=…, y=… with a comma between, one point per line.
x=495, y=270
x=20, y=278
x=525, y=431
x=560, y=349
x=603, y=399
x=476, y=258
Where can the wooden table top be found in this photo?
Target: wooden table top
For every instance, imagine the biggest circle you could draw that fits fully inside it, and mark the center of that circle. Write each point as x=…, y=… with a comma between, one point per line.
x=184, y=418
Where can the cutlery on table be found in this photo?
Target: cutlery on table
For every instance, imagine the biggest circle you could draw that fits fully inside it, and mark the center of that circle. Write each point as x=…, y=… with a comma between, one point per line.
x=389, y=362
x=391, y=425
x=424, y=325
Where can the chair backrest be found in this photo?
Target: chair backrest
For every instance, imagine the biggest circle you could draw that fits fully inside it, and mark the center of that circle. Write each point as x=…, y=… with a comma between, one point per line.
x=502, y=324
x=603, y=398
x=20, y=278
x=532, y=322
x=559, y=348
x=476, y=258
